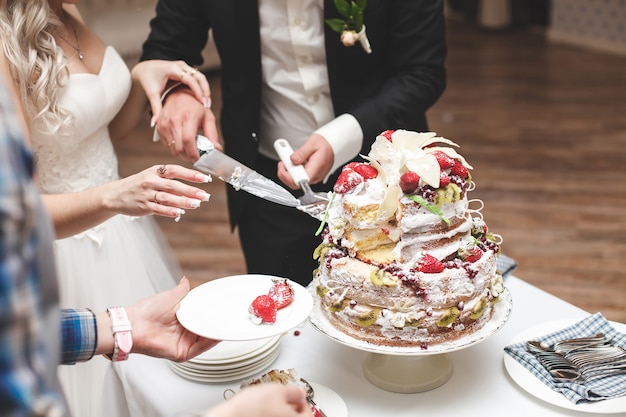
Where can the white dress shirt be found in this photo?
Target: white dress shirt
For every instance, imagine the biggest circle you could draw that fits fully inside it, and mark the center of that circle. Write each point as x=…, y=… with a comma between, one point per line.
x=295, y=89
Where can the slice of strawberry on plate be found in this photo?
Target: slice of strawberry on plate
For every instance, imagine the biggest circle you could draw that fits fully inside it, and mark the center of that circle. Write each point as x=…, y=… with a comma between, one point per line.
x=263, y=309
x=282, y=293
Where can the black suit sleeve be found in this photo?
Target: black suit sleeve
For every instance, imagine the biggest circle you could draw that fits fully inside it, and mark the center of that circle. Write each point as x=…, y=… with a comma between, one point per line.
x=392, y=87
x=178, y=31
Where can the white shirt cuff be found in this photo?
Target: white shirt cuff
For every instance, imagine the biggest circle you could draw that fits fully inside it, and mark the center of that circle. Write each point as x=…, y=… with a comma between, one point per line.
x=345, y=137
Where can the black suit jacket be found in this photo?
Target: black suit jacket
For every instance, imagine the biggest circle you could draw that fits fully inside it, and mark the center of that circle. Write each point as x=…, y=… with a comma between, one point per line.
x=391, y=88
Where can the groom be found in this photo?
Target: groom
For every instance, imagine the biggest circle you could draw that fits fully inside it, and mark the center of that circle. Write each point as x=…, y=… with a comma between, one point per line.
x=286, y=74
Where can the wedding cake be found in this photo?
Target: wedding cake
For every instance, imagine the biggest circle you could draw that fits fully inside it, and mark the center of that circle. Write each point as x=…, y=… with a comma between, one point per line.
x=405, y=260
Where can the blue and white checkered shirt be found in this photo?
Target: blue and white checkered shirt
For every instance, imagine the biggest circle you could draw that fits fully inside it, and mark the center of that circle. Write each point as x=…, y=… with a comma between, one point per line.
x=78, y=335
x=31, y=341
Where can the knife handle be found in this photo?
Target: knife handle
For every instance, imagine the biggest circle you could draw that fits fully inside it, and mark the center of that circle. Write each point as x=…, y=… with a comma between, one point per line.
x=204, y=145
x=284, y=151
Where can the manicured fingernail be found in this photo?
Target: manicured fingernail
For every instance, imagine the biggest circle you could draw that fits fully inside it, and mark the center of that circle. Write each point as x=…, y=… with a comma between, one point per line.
x=179, y=215
x=207, y=102
x=194, y=203
x=203, y=196
x=204, y=178
x=152, y=122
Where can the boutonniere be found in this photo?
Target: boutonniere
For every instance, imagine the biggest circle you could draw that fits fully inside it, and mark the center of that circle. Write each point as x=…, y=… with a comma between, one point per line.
x=351, y=28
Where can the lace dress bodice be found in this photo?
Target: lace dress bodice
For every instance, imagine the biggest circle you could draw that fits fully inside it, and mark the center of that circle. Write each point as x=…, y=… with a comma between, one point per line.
x=84, y=157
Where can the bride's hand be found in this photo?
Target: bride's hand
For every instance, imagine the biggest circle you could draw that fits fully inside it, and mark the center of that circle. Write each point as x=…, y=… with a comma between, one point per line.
x=156, y=190
x=156, y=75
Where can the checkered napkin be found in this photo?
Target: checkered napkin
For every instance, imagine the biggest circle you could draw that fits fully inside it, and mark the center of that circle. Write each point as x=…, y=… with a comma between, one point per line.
x=596, y=390
x=505, y=265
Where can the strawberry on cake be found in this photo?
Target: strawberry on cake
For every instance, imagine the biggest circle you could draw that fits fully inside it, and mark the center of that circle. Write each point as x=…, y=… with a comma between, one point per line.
x=404, y=260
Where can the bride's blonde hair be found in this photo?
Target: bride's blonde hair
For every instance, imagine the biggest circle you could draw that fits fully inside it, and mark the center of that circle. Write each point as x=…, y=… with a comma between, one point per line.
x=37, y=63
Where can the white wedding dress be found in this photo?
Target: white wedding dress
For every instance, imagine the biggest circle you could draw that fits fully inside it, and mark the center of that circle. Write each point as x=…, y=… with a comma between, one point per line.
x=119, y=261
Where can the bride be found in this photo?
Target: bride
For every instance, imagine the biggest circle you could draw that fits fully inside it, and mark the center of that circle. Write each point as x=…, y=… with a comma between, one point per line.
x=79, y=95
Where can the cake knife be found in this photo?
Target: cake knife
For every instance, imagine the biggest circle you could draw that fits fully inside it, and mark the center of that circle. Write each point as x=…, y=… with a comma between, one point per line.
x=240, y=176
x=313, y=204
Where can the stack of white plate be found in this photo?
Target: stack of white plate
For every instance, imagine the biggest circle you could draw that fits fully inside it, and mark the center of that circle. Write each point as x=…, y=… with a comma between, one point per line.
x=230, y=360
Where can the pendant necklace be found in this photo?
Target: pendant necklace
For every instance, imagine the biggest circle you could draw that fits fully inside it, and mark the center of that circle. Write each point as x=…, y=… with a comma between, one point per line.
x=77, y=47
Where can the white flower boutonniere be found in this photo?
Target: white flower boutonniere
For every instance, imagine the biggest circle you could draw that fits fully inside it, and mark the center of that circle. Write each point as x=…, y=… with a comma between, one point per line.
x=351, y=28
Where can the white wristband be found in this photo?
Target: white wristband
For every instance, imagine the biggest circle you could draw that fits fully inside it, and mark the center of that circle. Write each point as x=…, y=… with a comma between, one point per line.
x=122, y=333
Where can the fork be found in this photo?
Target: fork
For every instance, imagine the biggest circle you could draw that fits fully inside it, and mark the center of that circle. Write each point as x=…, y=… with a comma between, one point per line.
x=310, y=394
x=569, y=345
x=580, y=359
x=562, y=347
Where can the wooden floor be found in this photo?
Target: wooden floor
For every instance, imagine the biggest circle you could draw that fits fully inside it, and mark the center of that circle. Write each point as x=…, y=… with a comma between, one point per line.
x=543, y=125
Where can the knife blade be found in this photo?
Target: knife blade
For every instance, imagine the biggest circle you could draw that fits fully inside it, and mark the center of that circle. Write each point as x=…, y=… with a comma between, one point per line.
x=233, y=172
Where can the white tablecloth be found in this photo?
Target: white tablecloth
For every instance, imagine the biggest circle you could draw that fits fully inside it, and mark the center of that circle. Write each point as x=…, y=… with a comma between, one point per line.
x=479, y=386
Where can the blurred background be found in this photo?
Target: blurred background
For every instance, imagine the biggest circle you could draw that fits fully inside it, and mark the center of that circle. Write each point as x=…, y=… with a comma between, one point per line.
x=536, y=98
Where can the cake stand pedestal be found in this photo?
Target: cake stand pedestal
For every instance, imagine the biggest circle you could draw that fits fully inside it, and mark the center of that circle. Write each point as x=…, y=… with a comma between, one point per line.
x=407, y=374
x=411, y=369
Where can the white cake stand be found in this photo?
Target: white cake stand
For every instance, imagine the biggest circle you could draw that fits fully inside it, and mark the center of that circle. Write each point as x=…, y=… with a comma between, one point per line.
x=411, y=369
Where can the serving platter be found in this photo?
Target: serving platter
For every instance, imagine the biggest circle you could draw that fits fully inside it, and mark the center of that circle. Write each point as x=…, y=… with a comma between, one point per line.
x=411, y=369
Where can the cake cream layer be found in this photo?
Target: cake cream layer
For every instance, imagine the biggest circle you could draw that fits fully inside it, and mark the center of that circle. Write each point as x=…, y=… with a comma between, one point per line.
x=406, y=307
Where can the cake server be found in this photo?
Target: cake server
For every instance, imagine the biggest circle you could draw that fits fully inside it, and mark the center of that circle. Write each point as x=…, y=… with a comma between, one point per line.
x=240, y=176
x=314, y=204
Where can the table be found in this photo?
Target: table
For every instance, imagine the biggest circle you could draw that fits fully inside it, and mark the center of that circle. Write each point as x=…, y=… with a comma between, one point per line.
x=147, y=387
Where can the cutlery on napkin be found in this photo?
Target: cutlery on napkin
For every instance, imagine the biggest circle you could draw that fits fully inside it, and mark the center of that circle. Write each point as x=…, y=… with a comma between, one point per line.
x=575, y=391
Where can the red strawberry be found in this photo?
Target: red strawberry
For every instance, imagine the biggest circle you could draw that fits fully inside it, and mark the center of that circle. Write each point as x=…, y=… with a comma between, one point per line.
x=316, y=411
x=351, y=165
x=473, y=255
x=366, y=170
x=348, y=179
x=409, y=182
x=460, y=170
x=387, y=134
x=264, y=308
x=430, y=265
x=444, y=179
x=444, y=160
x=282, y=293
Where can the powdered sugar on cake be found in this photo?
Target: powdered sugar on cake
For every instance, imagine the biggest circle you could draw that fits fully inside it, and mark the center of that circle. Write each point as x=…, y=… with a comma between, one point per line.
x=405, y=260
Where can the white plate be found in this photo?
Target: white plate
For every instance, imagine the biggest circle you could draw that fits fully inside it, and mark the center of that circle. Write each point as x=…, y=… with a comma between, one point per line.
x=501, y=313
x=329, y=401
x=222, y=367
x=237, y=363
x=230, y=351
x=531, y=384
x=224, y=377
x=211, y=373
x=218, y=309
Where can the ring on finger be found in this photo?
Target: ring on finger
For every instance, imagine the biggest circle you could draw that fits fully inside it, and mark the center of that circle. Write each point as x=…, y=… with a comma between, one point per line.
x=161, y=171
x=183, y=73
x=172, y=143
x=193, y=72
x=155, y=199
